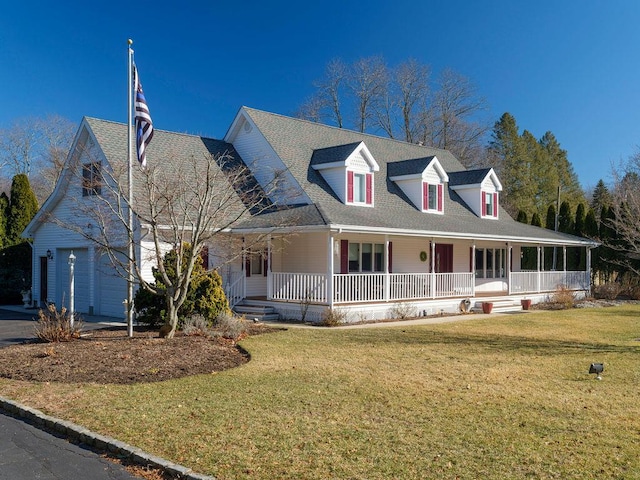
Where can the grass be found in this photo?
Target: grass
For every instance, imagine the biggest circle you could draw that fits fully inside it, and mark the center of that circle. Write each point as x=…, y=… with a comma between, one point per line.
x=501, y=398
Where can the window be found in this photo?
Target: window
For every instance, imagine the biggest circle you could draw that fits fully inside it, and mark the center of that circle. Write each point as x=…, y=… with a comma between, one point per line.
x=432, y=197
x=366, y=257
x=256, y=262
x=359, y=188
x=489, y=204
x=491, y=263
x=91, y=179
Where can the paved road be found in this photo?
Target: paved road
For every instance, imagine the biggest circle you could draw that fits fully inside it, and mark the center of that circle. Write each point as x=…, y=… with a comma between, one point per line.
x=27, y=453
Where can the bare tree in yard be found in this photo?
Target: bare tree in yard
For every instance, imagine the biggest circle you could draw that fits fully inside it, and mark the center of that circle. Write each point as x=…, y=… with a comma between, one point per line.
x=456, y=102
x=403, y=103
x=37, y=145
x=368, y=82
x=626, y=214
x=193, y=201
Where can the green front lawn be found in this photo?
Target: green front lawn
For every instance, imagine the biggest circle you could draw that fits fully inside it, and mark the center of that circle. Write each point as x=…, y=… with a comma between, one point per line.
x=502, y=398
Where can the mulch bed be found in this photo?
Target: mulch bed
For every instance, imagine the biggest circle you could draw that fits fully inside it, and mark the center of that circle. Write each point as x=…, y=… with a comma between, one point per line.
x=110, y=356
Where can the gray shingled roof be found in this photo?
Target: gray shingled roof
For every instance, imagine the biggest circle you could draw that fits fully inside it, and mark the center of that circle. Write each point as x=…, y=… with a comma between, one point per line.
x=169, y=150
x=408, y=167
x=295, y=142
x=338, y=153
x=468, y=177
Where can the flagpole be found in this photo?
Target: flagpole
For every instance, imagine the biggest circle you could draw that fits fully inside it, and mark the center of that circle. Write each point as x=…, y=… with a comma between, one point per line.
x=130, y=195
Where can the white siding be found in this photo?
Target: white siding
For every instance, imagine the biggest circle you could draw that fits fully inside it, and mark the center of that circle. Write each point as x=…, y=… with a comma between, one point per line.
x=472, y=198
x=304, y=253
x=412, y=189
x=111, y=288
x=488, y=185
x=264, y=163
x=337, y=180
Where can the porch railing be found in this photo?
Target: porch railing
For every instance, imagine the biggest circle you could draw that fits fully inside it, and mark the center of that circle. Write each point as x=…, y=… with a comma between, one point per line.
x=298, y=287
x=533, y=281
x=234, y=288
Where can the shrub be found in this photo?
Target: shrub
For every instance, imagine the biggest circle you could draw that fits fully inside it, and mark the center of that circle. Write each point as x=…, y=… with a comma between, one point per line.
x=608, y=291
x=55, y=326
x=333, y=317
x=205, y=296
x=563, y=297
x=231, y=327
x=196, y=325
x=403, y=311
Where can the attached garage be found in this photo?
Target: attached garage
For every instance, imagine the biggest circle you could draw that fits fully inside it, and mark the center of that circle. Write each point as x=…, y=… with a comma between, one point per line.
x=111, y=288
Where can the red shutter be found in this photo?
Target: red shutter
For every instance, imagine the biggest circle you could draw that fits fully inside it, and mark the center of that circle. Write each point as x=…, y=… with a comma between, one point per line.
x=425, y=196
x=344, y=256
x=495, y=205
x=484, y=203
x=349, y=186
x=265, y=265
x=471, y=259
x=390, y=257
x=440, y=193
x=369, y=192
x=247, y=265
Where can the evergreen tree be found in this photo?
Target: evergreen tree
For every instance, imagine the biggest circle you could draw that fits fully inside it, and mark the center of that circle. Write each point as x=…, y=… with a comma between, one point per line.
x=4, y=210
x=565, y=218
x=578, y=259
x=559, y=170
x=522, y=217
x=22, y=207
x=550, y=223
x=535, y=220
x=601, y=198
x=591, y=231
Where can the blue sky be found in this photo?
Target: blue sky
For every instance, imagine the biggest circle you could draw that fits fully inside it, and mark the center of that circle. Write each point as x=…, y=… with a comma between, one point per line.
x=570, y=66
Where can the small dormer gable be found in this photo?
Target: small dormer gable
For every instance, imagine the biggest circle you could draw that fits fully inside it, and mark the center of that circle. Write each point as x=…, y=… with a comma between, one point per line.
x=479, y=189
x=422, y=180
x=349, y=170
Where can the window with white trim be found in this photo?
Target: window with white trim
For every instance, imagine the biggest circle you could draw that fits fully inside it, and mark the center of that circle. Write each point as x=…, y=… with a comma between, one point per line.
x=366, y=257
x=432, y=194
x=359, y=188
x=491, y=263
x=490, y=204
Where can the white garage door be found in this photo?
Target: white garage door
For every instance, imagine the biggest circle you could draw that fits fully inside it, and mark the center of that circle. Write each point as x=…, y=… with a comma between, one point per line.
x=81, y=279
x=111, y=289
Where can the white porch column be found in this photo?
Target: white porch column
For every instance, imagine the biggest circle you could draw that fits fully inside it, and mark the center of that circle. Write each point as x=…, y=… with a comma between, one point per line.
x=91, y=260
x=330, y=260
x=540, y=261
x=508, y=266
x=269, y=277
x=244, y=268
x=588, y=269
x=564, y=262
x=433, y=268
x=387, y=278
x=473, y=269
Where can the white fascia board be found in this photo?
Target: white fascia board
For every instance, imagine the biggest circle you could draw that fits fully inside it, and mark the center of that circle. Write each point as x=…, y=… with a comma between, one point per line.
x=325, y=166
x=494, y=178
x=438, y=167
x=414, y=233
x=366, y=154
x=239, y=119
x=63, y=181
x=476, y=186
x=400, y=178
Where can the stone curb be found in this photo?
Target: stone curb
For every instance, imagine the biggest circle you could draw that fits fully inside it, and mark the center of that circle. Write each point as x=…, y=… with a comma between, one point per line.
x=100, y=442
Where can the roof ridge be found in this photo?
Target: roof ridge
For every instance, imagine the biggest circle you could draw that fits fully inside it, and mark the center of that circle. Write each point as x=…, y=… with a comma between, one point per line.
x=345, y=129
x=155, y=129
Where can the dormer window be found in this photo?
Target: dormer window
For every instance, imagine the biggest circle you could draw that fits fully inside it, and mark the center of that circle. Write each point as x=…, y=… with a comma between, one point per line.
x=432, y=197
x=349, y=170
x=359, y=187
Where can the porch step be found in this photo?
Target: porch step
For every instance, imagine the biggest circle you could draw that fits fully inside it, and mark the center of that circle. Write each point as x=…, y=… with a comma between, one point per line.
x=261, y=312
x=505, y=305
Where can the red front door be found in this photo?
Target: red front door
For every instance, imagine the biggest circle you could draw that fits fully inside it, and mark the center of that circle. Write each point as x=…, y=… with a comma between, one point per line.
x=444, y=258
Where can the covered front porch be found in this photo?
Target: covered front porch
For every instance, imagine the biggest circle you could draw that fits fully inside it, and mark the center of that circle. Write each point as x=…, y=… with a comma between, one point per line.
x=368, y=268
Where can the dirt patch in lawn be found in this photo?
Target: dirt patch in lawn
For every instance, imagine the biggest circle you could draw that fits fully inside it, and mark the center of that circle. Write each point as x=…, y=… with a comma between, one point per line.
x=110, y=356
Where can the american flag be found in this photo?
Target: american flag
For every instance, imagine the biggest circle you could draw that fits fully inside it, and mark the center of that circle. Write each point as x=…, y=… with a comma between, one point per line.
x=144, y=126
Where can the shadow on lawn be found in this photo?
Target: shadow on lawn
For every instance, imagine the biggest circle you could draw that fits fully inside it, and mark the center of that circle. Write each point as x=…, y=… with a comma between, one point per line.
x=525, y=345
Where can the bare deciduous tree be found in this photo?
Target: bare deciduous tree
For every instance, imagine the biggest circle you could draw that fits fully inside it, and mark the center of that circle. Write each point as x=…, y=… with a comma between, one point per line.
x=368, y=83
x=626, y=212
x=36, y=144
x=177, y=201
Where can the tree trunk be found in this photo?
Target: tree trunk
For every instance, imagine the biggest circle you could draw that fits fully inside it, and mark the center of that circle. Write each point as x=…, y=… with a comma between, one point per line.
x=172, y=317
